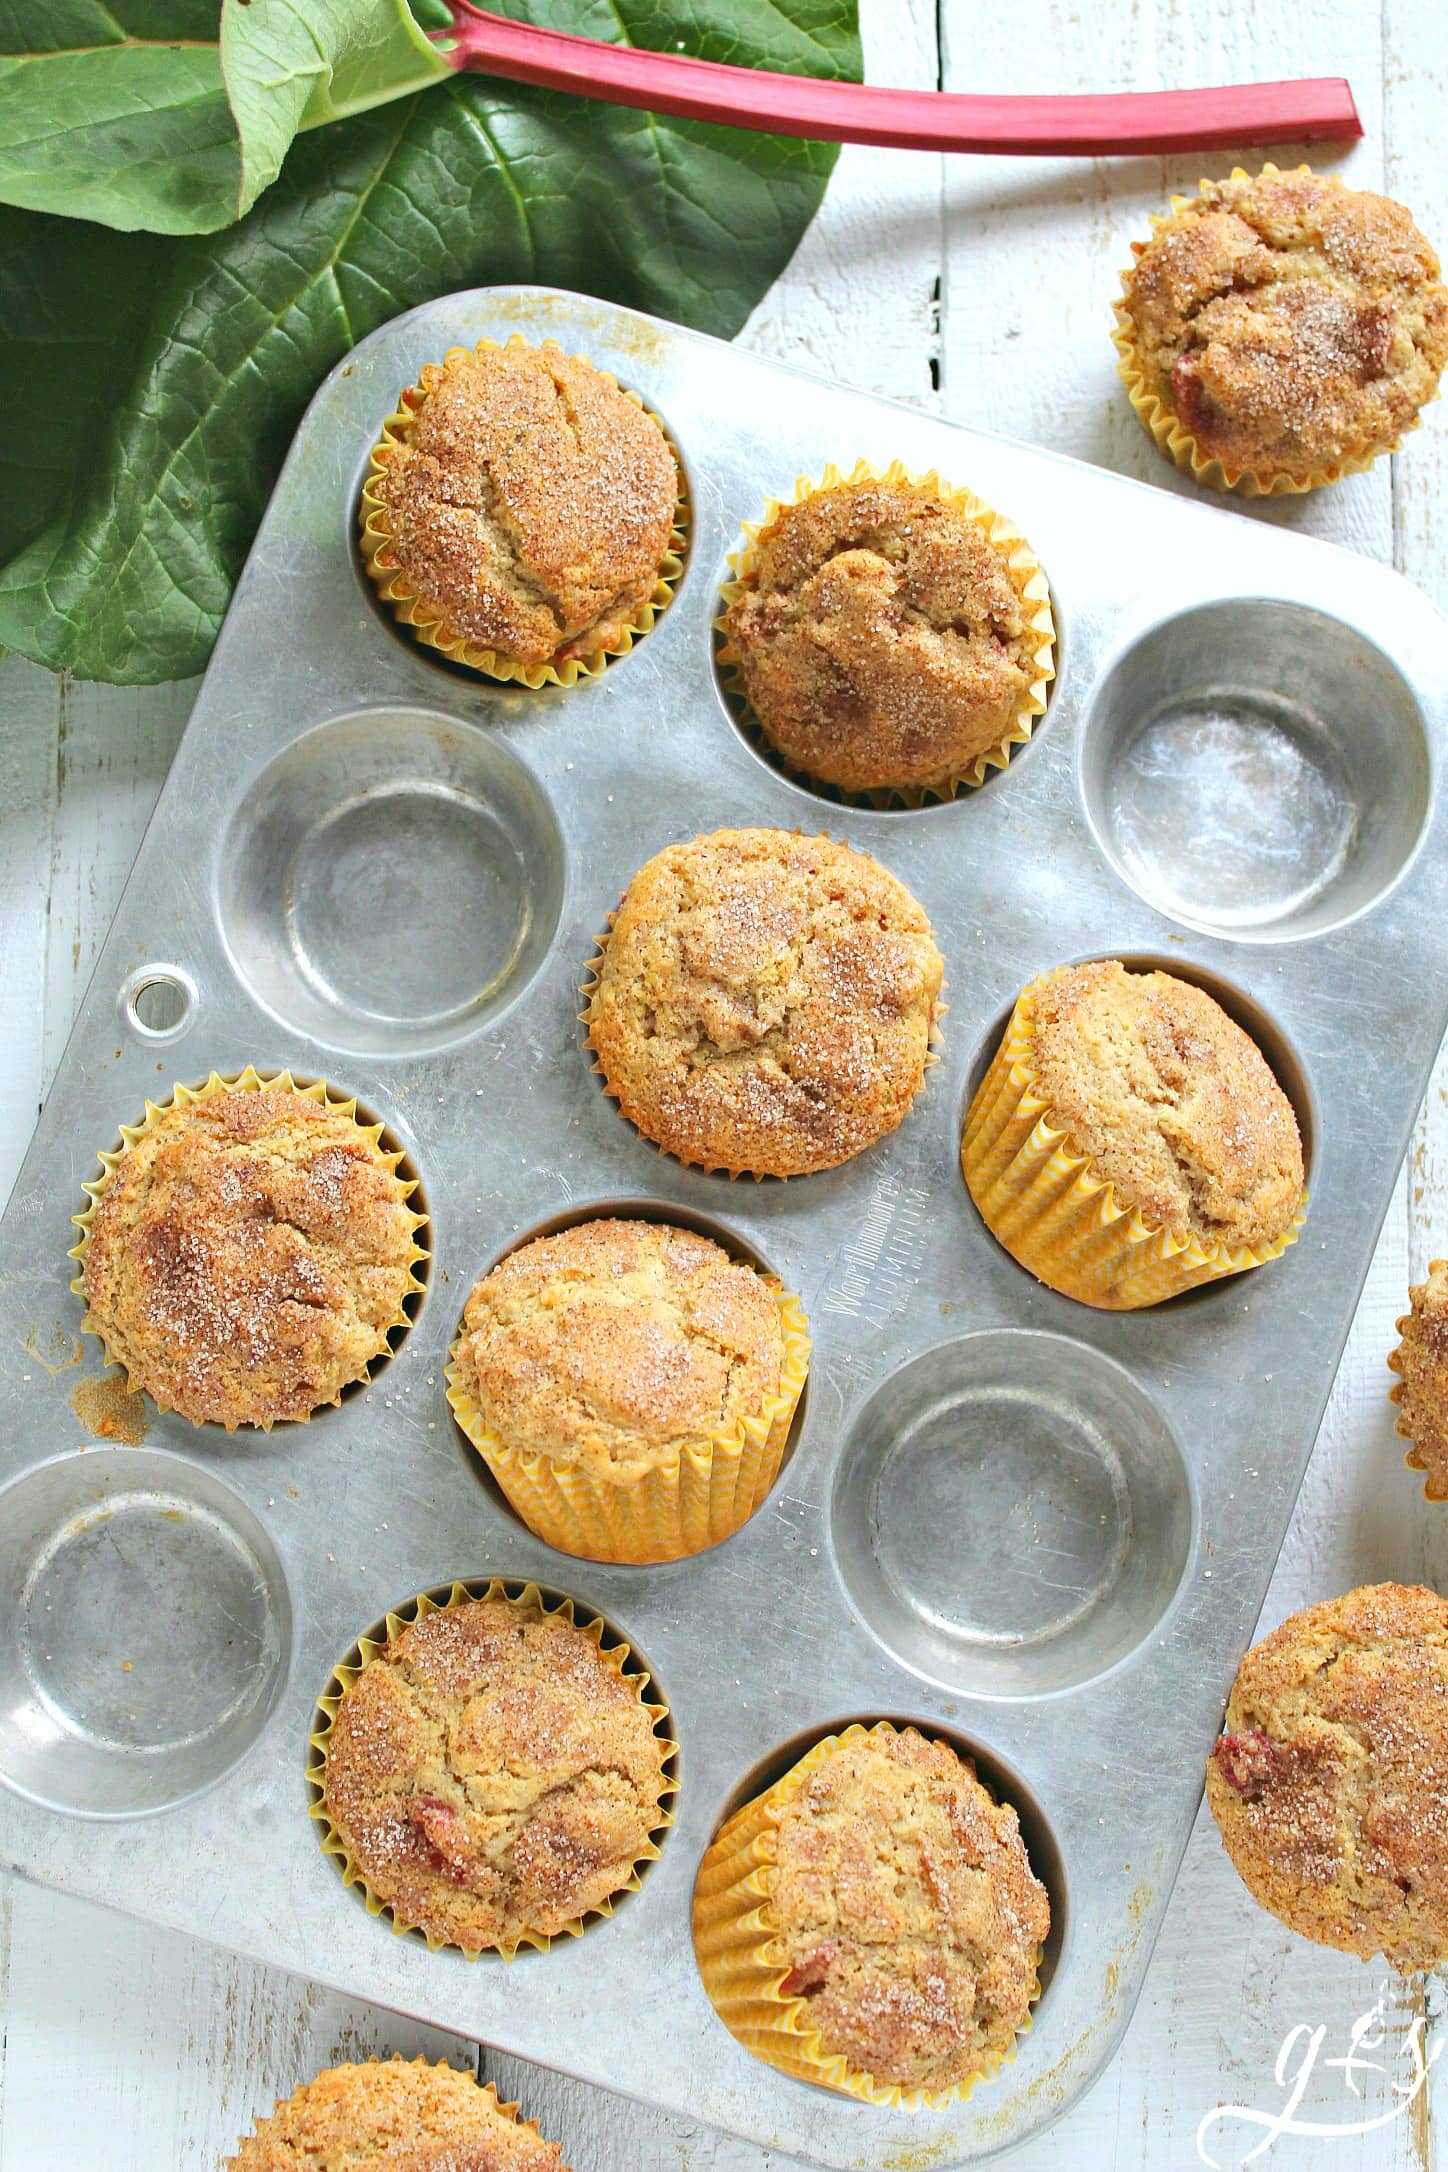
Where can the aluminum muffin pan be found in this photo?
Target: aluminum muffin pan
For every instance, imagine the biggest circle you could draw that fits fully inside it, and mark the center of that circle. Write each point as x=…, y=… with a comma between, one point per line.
x=1042, y=1530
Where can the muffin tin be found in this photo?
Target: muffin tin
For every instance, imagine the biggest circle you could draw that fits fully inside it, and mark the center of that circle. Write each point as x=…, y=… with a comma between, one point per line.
x=1040, y=1530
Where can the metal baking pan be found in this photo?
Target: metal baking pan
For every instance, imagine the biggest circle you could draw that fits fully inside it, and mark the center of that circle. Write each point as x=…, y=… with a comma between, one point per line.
x=1041, y=1529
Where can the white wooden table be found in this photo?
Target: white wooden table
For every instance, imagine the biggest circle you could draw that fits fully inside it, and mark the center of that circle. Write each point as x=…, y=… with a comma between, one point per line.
x=982, y=290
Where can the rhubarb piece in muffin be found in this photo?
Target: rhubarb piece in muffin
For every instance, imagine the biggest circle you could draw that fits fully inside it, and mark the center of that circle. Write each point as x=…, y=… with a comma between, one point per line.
x=891, y=634
x=1330, y=1783
x=1145, y=1082
x=1280, y=330
x=492, y=1775
x=248, y=1252
x=873, y=1921
x=1421, y=1361
x=405, y=2115
x=765, y=1002
x=520, y=509
x=630, y=1386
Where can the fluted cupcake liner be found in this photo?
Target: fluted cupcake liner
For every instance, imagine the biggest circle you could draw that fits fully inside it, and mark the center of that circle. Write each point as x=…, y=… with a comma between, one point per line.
x=702, y=1495
x=429, y=622
x=1435, y=1488
x=182, y=1096
x=743, y=1966
x=688, y=1161
x=1171, y=435
x=1054, y=1213
x=1027, y=575
x=527, y=1597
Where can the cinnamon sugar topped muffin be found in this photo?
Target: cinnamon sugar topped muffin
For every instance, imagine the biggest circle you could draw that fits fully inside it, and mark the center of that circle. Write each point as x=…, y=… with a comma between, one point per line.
x=765, y=1001
x=908, y=1912
x=885, y=637
x=492, y=1774
x=528, y=502
x=406, y=2116
x=1289, y=326
x=1175, y=1105
x=1421, y=1361
x=1330, y=1784
x=248, y=1253
x=616, y=1343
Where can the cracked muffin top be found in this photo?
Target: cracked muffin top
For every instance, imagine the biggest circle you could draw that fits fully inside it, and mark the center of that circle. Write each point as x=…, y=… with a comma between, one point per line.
x=1177, y=1107
x=1330, y=1784
x=1421, y=1361
x=616, y=1344
x=907, y=1912
x=764, y=1001
x=248, y=1255
x=491, y=1773
x=397, y=2115
x=529, y=500
x=1289, y=321
x=885, y=641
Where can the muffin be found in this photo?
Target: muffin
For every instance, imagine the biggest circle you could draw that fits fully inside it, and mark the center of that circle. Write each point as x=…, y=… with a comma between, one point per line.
x=764, y=1002
x=872, y=1921
x=630, y=1386
x=1421, y=1361
x=892, y=635
x=1330, y=1784
x=521, y=512
x=1130, y=1140
x=1281, y=330
x=490, y=1773
x=408, y=2116
x=248, y=1251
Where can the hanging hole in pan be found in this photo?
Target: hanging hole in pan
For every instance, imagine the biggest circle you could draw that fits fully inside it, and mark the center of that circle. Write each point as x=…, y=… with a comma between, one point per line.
x=156, y=1002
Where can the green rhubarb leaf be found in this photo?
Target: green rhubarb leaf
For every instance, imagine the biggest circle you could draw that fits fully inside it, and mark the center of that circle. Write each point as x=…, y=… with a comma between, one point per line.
x=151, y=385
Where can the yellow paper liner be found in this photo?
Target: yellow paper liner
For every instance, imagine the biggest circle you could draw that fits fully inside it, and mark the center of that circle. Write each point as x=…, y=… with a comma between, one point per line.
x=1051, y=1210
x=429, y=622
x=704, y=1494
x=248, y=1081
x=741, y=1963
x=510, y=2109
x=723, y=1168
x=1434, y=1488
x=1170, y=434
x=1027, y=577
x=368, y=1647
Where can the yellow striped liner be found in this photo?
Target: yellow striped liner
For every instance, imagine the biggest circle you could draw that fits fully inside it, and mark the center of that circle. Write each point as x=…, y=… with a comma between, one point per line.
x=1027, y=577
x=664, y=1512
x=1045, y=1203
x=741, y=1962
x=1170, y=434
x=527, y=1597
x=429, y=622
x=184, y=1097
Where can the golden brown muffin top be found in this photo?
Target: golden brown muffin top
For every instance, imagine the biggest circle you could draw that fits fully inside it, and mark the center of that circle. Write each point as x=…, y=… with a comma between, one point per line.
x=1421, y=1360
x=248, y=1255
x=401, y=2115
x=490, y=1773
x=907, y=1911
x=1330, y=1784
x=883, y=638
x=1289, y=321
x=530, y=500
x=1173, y=1102
x=765, y=1001
x=616, y=1344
